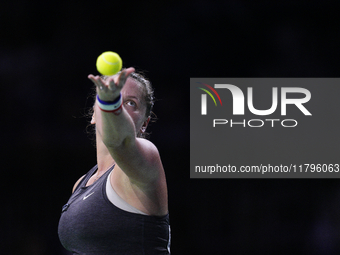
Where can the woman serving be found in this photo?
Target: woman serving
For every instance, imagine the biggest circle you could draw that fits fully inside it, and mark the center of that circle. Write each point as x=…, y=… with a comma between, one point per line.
x=120, y=206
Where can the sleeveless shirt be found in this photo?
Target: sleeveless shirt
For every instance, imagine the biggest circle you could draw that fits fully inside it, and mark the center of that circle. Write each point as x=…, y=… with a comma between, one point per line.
x=91, y=224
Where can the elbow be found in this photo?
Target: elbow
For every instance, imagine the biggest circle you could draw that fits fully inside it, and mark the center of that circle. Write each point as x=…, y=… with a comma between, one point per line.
x=117, y=142
x=112, y=142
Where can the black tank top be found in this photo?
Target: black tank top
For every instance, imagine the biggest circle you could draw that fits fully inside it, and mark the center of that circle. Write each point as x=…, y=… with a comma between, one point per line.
x=91, y=224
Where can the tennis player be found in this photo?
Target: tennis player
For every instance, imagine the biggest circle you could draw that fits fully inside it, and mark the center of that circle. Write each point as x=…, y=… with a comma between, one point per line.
x=121, y=205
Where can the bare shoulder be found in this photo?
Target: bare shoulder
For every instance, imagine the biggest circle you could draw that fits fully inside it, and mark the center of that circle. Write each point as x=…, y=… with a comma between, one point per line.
x=140, y=161
x=150, y=154
x=77, y=182
x=148, y=147
x=144, y=183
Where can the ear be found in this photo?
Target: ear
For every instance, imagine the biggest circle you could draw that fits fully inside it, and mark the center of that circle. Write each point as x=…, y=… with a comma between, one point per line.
x=145, y=125
x=93, y=120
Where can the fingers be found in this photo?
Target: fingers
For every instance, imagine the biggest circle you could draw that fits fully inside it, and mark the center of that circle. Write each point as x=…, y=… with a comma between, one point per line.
x=122, y=79
x=98, y=81
x=123, y=76
x=129, y=70
x=112, y=83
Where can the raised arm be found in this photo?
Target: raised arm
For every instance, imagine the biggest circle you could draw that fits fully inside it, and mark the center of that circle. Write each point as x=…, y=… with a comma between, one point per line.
x=118, y=130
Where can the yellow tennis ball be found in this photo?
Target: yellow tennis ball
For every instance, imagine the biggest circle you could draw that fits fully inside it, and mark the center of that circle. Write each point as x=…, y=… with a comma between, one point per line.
x=109, y=63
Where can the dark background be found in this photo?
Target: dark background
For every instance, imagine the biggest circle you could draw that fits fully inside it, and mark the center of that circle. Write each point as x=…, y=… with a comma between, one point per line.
x=48, y=48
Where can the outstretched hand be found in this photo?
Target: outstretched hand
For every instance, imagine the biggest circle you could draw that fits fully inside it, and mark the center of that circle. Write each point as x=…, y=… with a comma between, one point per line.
x=109, y=89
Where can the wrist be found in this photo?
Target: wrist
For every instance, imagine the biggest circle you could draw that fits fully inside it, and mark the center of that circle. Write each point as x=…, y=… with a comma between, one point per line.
x=110, y=106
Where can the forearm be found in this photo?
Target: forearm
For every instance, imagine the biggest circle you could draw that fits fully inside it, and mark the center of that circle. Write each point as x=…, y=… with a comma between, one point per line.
x=115, y=129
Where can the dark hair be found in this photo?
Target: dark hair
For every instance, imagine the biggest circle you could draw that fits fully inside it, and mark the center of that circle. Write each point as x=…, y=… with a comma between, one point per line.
x=149, y=99
x=148, y=91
